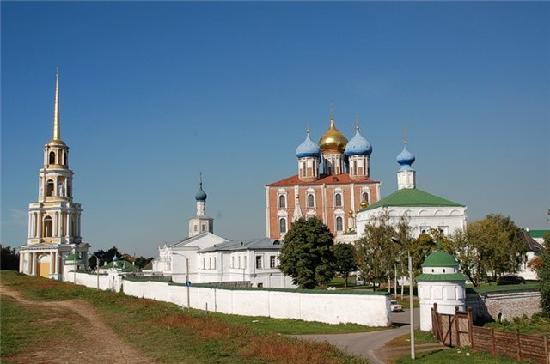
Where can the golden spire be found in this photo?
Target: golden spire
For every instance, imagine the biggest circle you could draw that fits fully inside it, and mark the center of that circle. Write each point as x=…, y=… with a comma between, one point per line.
x=56, y=127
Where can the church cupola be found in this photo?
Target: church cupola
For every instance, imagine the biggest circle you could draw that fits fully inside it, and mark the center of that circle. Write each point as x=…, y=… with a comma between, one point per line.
x=200, y=197
x=332, y=145
x=200, y=223
x=358, y=151
x=406, y=176
x=308, y=154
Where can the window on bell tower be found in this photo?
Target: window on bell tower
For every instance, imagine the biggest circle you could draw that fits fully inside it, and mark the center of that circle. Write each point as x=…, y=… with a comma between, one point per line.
x=49, y=188
x=52, y=158
x=48, y=226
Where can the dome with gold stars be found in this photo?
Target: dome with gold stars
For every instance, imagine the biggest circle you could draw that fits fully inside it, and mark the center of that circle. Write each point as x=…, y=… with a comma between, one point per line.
x=333, y=140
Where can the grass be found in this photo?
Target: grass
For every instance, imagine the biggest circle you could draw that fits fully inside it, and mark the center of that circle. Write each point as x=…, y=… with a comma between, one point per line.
x=420, y=337
x=539, y=324
x=167, y=334
x=287, y=326
x=455, y=356
x=491, y=287
x=24, y=327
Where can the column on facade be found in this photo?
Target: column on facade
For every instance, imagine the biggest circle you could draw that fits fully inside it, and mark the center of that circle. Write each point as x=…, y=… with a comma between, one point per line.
x=52, y=263
x=59, y=223
x=56, y=263
x=68, y=225
x=44, y=187
x=33, y=222
x=77, y=225
x=29, y=226
x=21, y=259
x=39, y=225
x=55, y=221
x=33, y=264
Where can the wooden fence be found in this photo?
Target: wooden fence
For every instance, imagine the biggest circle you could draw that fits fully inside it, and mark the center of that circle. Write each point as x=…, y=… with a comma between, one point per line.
x=459, y=330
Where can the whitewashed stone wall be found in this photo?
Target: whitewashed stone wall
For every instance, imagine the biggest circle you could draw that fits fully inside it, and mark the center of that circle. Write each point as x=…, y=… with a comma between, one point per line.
x=372, y=310
x=363, y=309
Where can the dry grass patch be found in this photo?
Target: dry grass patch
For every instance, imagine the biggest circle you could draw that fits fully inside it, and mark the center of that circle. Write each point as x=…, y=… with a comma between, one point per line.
x=280, y=349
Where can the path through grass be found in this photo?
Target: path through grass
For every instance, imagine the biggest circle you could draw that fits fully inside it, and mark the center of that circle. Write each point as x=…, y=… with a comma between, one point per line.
x=167, y=334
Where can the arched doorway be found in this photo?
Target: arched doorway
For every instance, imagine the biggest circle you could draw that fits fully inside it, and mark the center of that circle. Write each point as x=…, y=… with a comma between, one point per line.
x=44, y=266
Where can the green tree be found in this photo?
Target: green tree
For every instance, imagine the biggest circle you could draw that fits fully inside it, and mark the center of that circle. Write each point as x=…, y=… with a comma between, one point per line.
x=9, y=259
x=461, y=245
x=377, y=250
x=141, y=262
x=499, y=242
x=345, y=260
x=543, y=272
x=306, y=254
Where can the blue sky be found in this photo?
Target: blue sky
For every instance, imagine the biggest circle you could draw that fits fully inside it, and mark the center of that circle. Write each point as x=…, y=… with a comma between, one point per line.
x=153, y=93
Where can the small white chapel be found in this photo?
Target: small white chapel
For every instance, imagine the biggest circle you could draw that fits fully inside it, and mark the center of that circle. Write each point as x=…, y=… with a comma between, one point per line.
x=204, y=257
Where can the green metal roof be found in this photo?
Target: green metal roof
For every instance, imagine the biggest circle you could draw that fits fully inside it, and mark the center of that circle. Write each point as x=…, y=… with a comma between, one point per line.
x=440, y=259
x=71, y=257
x=538, y=233
x=122, y=265
x=412, y=197
x=452, y=277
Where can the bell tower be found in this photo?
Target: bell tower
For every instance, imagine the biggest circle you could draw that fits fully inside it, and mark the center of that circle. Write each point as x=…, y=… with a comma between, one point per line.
x=54, y=221
x=55, y=218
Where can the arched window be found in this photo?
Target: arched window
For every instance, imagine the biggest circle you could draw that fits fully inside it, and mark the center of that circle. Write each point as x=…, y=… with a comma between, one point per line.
x=49, y=187
x=282, y=202
x=338, y=200
x=48, y=226
x=339, y=224
x=310, y=200
x=52, y=158
x=365, y=197
x=355, y=167
x=282, y=225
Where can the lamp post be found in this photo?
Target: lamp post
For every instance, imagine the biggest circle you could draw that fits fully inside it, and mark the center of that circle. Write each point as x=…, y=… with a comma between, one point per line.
x=411, y=300
x=97, y=269
x=74, y=260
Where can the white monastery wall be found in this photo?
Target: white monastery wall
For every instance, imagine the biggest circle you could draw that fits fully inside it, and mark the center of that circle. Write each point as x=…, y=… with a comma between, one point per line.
x=372, y=310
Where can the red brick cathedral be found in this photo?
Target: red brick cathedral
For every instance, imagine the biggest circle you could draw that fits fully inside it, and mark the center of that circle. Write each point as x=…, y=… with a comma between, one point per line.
x=333, y=183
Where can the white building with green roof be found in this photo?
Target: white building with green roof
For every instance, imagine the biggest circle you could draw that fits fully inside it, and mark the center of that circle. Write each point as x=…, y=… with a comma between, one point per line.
x=423, y=210
x=440, y=282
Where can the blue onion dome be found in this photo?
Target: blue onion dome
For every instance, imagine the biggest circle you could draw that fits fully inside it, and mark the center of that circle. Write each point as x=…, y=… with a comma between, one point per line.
x=405, y=159
x=308, y=148
x=200, y=195
x=358, y=145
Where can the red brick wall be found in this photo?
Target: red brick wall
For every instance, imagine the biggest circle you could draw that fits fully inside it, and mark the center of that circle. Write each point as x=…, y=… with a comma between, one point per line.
x=273, y=219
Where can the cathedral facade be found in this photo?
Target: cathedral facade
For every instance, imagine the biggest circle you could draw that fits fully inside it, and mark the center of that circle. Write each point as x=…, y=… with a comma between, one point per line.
x=53, y=235
x=333, y=183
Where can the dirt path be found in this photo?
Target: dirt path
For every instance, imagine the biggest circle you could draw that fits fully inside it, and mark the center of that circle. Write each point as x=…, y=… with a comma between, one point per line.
x=97, y=342
x=368, y=344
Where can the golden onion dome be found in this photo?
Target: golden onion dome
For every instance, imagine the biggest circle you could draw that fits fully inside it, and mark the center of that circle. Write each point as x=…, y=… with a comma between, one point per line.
x=333, y=140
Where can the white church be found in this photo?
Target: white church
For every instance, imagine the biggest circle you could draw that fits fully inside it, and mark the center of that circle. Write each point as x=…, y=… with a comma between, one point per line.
x=423, y=210
x=204, y=257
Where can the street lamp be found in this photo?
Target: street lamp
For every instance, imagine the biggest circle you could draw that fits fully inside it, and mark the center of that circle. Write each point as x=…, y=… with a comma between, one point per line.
x=74, y=260
x=411, y=277
x=97, y=269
